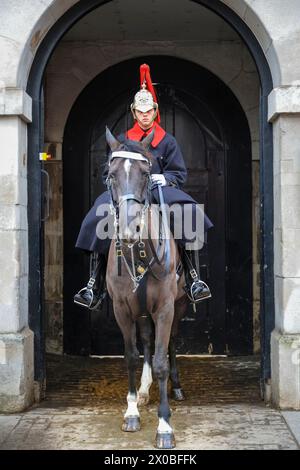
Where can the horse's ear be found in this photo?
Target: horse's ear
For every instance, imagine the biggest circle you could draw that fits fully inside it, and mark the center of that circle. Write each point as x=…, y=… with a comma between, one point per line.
x=113, y=143
x=147, y=140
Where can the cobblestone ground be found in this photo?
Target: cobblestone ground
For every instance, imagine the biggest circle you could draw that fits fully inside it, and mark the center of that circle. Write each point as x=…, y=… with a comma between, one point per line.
x=86, y=398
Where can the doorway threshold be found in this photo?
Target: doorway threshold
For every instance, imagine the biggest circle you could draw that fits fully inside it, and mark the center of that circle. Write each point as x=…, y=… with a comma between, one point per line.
x=200, y=356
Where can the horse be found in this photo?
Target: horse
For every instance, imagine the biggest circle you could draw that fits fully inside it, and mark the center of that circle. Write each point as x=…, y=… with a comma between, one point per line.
x=143, y=282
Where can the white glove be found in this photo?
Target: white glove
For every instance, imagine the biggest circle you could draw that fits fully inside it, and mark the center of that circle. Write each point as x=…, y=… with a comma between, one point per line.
x=159, y=179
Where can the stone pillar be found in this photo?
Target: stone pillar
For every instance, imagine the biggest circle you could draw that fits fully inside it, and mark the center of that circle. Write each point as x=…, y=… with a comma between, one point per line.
x=16, y=339
x=284, y=112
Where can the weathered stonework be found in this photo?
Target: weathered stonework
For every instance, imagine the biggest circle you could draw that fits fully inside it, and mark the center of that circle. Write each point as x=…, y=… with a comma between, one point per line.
x=286, y=370
x=284, y=112
x=284, y=100
x=16, y=371
x=15, y=102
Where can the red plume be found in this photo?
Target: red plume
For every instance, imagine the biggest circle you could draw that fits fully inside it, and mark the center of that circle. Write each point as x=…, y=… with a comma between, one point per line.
x=146, y=78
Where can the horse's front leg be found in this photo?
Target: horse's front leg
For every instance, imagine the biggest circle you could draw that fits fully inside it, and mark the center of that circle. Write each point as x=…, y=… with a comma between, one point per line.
x=177, y=392
x=165, y=438
x=145, y=325
x=131, y=422
x=180, y=310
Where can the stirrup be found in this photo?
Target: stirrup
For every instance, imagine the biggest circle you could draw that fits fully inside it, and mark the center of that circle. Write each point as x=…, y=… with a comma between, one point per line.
x=189, y=292
x=90, y=306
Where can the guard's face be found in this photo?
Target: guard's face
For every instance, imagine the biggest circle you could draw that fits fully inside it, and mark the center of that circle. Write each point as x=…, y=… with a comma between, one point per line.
x=145, y=119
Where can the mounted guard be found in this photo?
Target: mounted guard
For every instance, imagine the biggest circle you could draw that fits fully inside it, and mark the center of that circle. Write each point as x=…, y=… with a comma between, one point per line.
x=168, y=174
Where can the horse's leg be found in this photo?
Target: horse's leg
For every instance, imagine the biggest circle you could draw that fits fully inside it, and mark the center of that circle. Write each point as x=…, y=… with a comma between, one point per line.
x=145, y=325
x=177, y=392
x=164, y=437
x=131, y=422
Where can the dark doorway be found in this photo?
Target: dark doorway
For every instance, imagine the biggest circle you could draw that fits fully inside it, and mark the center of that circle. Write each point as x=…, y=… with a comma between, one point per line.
x=35, y=131
x=212, y=130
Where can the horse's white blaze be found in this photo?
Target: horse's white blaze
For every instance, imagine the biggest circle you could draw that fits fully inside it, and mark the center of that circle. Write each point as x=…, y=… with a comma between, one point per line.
x=127, y=233
x=146, y=379
x=132, y=409
x=163, y=426
x=127, y=165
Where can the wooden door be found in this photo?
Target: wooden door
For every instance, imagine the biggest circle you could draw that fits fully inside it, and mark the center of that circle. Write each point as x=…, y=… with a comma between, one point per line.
x=212, y=130
x=181, y=115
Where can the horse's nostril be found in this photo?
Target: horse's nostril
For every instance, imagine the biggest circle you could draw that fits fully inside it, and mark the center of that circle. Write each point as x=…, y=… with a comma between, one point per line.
x=138, y=228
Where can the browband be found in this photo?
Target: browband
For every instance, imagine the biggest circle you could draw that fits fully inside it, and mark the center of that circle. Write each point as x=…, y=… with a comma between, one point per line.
x=131, y=155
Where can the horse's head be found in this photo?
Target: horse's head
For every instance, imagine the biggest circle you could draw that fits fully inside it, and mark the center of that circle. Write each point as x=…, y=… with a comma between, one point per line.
x=129, y=182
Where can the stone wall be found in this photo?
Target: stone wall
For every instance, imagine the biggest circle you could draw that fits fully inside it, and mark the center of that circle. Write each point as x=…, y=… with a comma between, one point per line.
x=22, y=27
x=16, y=340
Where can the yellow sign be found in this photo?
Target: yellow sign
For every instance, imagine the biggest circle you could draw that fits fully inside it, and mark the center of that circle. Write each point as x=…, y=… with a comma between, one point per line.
x=44, y=156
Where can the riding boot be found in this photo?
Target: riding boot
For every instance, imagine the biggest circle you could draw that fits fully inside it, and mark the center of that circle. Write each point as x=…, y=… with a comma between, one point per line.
x=93, y=295
x=195, y=289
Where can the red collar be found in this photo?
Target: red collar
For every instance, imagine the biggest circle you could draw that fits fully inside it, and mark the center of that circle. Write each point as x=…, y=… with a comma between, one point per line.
x=136, y=133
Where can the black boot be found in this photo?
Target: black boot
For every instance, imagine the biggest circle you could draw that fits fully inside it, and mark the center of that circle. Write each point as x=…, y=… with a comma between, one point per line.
x=196, y=289
x=94, y=293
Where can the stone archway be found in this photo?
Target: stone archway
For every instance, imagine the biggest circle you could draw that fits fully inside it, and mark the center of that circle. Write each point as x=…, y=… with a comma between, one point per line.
x=34, y=88
x=35, y=43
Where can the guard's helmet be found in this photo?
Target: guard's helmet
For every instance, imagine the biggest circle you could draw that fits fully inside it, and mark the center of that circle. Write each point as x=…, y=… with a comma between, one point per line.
x=145, y=99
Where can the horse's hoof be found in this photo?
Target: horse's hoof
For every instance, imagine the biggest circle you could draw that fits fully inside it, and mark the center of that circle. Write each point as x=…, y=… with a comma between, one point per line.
x=165, y=440
x=143, y=399
x=131, y=424
x=178, y=394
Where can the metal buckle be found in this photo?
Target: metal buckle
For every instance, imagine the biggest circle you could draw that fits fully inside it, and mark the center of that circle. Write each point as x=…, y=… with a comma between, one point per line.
x=90, y=284
x=193, y=274
x=143, y=254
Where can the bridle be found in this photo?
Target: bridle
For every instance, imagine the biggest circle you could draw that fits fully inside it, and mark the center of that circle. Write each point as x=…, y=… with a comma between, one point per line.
x=134, y=273
x=115, y=205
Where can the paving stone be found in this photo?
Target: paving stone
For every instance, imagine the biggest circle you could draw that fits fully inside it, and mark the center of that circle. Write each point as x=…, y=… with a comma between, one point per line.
x=86, y=399
x=292, y=419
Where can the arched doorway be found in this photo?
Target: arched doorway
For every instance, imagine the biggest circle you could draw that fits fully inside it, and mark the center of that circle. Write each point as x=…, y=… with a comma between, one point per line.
x=217, y=149
x=35, y=139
